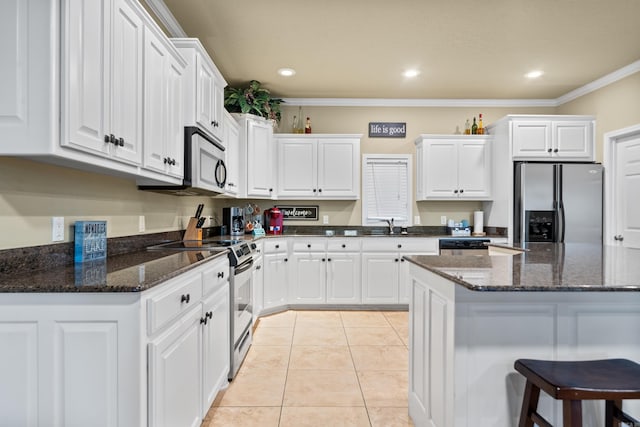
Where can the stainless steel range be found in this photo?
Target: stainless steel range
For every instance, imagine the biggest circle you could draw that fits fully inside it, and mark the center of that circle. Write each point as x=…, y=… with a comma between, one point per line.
x=240, y=255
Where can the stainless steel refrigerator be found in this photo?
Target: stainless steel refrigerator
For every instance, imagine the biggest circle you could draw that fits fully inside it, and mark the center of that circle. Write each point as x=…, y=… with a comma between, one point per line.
x=558, y=202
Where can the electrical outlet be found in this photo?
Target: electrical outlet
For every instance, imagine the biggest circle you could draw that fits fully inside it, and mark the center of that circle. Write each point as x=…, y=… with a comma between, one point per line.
x=443, y=220
x=325, y=219
x=57, y=229
x=416, y=220
x=141, y=223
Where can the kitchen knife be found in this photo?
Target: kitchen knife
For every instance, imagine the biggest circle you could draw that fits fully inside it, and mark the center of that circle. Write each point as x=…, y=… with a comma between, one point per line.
x=200, y=222
x=199, y=210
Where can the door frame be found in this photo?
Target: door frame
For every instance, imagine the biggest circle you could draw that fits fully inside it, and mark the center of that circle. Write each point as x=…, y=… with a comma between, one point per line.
x=610, y=163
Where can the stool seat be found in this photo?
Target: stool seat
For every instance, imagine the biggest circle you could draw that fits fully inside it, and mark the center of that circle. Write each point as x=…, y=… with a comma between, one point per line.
x=612, y=380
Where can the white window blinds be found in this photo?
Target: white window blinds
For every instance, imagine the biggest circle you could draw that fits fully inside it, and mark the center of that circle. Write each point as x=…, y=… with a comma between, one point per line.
x=386, y=189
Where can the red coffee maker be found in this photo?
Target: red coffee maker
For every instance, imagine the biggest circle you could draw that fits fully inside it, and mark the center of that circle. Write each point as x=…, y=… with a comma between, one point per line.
x=273, y=220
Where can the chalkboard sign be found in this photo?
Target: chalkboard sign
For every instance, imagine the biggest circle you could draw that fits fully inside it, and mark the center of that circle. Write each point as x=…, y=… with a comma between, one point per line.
x=387, y=130
x=309, y=213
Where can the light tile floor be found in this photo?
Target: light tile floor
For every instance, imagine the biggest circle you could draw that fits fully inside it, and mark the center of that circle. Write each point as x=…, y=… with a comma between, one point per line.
x=320, y=368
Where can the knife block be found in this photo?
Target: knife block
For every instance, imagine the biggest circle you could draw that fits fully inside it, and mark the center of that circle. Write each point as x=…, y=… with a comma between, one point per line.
x=192, y=233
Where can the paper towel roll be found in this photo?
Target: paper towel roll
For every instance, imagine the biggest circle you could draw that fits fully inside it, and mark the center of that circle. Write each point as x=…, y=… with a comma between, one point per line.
x=478, y=221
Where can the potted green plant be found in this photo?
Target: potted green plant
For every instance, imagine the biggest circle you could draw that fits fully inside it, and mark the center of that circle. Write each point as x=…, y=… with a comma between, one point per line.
x=253, y=99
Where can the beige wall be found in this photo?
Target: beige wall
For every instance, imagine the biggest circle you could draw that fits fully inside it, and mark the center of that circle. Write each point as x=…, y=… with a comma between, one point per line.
x=31, y=192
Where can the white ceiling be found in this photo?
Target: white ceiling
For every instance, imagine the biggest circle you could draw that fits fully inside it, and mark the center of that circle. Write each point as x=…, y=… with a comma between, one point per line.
x=464, y=49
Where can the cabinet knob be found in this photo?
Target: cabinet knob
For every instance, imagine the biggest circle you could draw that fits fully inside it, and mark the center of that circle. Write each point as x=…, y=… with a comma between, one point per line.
x=323, y=260
x=220, y=274
x=549, y=150
x=555, y=150
x=319, y=190
x=329, y=259
x=401, y=259
x=455, y=191
x=461, y=191
x=286, y=259
x=121, y=142
x=215, y=124
x=314, y=190
x=270, y=190
x=344, y=246
x=107, y=139
x=309, y=245
x=166, y=160
x=209, y=314
x=399, y=246
x=112, y=138
x=396, y=260
x=258, y=267
x=203, y=320
x=619, y=237
x=185, y=298
x=277, y=246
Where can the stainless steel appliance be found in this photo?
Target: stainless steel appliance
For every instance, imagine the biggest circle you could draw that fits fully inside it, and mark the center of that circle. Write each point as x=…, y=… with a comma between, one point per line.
x=558, y=202
x=468, y=246
x=205, y=171
x=240, y=255
x=233, y=219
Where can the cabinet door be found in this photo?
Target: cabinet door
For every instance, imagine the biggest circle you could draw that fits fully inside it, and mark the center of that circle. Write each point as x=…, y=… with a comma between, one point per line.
x=441, y=169
x=573, y=140
x=215, y=344
x=175, y=386
x=232, y=153
x=275, y=280
x=217, y=108
x=259, y=159
x=474, y=170
x=155, y=103
x=531, y=139
x=297, y=167
x=87, y=75
x=204, y=94
x=343, y=278
x=338, y=168
x=308, y=278
x=174, y=139
x=126, y=77
x=380, y=278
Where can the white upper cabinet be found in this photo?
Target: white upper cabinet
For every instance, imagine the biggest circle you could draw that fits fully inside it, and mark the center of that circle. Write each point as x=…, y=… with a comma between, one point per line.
x=163, y=112
x=232, y=154
x=257, y=157
x=553, y=138
x=204, y=89
x=318, y=166
x=102, y=79
x=451, y=167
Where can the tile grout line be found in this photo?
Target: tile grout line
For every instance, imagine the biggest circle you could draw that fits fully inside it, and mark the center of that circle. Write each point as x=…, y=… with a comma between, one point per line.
x=286, y=375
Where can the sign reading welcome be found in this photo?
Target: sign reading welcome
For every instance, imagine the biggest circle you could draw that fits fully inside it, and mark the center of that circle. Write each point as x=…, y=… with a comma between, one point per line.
x=387, y=130
x=309, y=213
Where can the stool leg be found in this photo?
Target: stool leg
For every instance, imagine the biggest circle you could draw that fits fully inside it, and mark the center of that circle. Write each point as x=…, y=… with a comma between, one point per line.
x=609, y=419
x=529, y=404
x=572, y=413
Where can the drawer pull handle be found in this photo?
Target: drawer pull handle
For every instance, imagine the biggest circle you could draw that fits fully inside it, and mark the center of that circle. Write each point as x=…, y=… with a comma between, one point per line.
x=258, y=267
x=203, y=320
x=220, y=274
x=185, y=298
x=209, y=314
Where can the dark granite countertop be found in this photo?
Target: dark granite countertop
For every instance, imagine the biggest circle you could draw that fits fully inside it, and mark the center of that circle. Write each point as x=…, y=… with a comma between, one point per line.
x=542, y=267
x=131, y=272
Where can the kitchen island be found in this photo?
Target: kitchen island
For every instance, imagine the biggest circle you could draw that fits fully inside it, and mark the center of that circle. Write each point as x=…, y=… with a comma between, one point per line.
x=471, y=317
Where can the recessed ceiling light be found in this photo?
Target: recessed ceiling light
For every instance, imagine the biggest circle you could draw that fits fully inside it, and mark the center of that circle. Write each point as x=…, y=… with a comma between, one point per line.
x=411, y=73
x=286, y=72
x=534, y=74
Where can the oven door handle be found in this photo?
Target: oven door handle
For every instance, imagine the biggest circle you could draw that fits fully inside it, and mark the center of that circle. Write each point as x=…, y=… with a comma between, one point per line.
x=243, y=267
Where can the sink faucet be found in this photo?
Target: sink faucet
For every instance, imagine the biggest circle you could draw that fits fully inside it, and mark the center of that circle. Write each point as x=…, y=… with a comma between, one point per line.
x=390, y=222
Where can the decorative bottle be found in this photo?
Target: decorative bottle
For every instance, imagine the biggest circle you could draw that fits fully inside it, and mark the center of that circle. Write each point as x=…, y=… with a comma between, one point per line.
x=307, y=126
x=474, y=127
x=480, y=126
x=467, y=128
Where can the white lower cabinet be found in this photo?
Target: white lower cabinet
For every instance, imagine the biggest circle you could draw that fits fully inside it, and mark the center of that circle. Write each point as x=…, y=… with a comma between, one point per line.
x=344, y=271
x=152, y=358
x=276, y=276
x=174, y=374
x=384, y=273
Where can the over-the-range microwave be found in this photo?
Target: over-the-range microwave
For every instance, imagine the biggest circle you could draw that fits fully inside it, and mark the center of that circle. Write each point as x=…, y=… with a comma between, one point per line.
x=205, y=172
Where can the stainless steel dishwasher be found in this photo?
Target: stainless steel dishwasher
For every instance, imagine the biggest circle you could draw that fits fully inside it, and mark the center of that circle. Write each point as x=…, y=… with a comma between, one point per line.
x=465, y=246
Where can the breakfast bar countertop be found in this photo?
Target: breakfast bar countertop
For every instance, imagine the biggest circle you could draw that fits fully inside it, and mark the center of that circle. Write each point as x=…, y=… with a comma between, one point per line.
x=542, y=267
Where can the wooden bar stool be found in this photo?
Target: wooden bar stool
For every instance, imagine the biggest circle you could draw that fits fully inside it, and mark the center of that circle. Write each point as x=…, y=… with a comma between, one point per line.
x=612, y=380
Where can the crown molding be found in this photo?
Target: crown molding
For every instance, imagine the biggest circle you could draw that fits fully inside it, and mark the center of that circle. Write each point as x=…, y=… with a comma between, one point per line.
x=606, y=80
x=388, y=102
x=165, y=16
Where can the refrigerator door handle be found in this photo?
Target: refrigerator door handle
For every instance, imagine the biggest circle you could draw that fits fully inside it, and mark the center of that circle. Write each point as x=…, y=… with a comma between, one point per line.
x=562, y=222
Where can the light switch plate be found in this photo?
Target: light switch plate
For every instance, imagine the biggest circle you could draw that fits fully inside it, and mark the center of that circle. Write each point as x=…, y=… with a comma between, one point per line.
x=325, y=219
x=443, y=220
x=141, y=223
x=416, y=220
x=57, y=229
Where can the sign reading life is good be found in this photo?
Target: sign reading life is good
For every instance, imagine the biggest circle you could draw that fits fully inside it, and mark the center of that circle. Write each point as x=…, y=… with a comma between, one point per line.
x=309, y=213
x=387, y=130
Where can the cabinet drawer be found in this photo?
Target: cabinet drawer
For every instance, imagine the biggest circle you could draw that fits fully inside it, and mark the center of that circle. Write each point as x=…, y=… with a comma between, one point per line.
x=417, y=245
x=381, y=244
x=181, y=294
x=309, y=245
x=214, y=277
x=272, y=246
x=343, y=245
